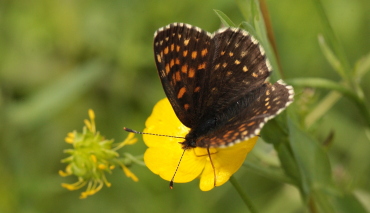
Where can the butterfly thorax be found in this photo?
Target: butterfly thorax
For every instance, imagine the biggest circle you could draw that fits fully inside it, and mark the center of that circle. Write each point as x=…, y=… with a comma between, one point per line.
x=210, y=123
x=205, y=127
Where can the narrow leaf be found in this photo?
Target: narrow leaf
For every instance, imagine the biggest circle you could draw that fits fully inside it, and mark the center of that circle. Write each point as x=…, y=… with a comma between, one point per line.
x=332, y=59
x=224, y=19
x=362, y=67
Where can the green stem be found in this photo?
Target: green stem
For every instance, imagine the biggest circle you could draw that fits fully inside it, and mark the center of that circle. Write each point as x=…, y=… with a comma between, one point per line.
x=321, y=108
x=332, y=38
x=331, y=85
x=131, y=159
x=270, y=33
x=243, y=195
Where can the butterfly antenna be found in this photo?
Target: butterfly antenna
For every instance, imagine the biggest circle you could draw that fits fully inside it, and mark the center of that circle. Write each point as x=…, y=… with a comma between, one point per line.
x=147, y=133
x=173, y=177
x=213, y=167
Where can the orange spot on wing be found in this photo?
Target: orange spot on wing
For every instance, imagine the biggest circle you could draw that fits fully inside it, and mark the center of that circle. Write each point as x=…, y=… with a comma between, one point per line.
x=184, y=68
x=178, y=76
x=202, y=66
x=245, y=68
x=172, y=47
x=159, y=59
x=177, y=61
x=251, y=123
x=191, y=73
x=194, y=55
x=165, y=51
x=204, y=52
x=167, y=68
x=181, y=93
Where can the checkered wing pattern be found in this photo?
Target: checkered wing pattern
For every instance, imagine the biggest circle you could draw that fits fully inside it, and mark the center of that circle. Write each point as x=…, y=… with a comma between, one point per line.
x=216, y=83
x=239, y=66
x=182, y=55
x=254, y=110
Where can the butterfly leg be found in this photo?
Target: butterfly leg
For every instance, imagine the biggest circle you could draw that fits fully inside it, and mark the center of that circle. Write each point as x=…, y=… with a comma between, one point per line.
x=213, y=167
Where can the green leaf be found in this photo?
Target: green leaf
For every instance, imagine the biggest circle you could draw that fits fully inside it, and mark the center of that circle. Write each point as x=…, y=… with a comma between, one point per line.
x=256, y=27
x=320, y=201
x=362, y=67
x=245, y=7
x=311, y=157
x=224, y=19
x=314, y=167
x=248, y=27
x=288, y=163
x=276, y=133
x=330, y=56
x=348, y=203
x=332, y=40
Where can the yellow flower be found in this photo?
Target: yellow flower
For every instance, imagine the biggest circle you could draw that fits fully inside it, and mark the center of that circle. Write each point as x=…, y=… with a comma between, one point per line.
x=163, y=153
x=92, y=157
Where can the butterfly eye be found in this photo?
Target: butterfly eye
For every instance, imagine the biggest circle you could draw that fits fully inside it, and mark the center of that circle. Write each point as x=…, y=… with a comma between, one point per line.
x=193, y=144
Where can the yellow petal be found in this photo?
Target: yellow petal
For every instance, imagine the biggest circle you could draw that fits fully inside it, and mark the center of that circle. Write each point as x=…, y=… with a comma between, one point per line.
x=91, y=114
x=164, y=160
x=69, y=140
x=130, y=139
x=164, y=153
x=163, y=120
x=70, y=137
x=63, y=174
x=226, y=162
x=88, y=124
x=130, y=174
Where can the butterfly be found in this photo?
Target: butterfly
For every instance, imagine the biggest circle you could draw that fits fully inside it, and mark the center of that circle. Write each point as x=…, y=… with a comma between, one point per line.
x=217, y=83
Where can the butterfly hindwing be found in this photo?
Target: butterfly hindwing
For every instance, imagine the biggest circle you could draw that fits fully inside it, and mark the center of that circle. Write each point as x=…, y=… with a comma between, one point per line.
x=254, y=111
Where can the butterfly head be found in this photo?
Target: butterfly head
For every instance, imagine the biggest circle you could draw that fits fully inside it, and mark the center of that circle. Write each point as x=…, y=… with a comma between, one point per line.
x=190, y=142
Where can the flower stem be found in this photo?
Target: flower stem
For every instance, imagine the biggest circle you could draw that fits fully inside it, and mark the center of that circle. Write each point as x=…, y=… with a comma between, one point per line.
x=270, y=32
x=331, y=85
x=322, y=108
x=243, y=195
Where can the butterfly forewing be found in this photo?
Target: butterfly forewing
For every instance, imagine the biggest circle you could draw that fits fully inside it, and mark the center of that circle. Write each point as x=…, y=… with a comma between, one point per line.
x=182, y=55
x=239, y=67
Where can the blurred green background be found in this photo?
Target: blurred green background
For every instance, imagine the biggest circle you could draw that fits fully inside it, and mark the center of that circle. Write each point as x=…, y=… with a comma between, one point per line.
x=60, y=58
